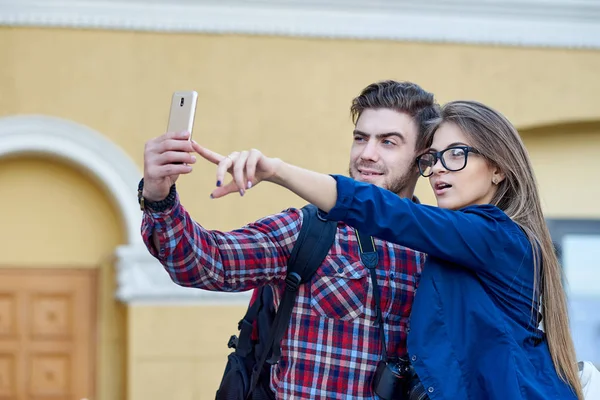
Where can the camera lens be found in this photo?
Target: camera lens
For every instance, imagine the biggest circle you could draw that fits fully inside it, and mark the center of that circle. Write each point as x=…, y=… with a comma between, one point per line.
x=181, y=102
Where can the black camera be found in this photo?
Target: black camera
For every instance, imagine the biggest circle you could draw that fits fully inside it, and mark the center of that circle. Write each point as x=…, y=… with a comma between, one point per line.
x=393, y=379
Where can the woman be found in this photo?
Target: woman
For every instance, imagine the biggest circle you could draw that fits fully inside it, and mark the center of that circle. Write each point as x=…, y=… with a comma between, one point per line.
x=491, y=263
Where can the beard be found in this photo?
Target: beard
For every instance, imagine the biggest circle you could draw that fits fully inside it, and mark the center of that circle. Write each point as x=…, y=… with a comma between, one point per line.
x=395, y=184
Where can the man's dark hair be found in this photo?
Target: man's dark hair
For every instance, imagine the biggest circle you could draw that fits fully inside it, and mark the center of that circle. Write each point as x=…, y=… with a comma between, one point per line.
x=406, y=97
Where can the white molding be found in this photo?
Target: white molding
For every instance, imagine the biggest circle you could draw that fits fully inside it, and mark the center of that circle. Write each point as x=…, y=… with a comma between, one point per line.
x=141, y=281
x=84, y=147
x=552, y=23
x=140, y=277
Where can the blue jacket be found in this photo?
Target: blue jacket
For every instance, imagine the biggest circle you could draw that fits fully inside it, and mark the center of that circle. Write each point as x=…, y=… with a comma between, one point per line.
x=473, y=331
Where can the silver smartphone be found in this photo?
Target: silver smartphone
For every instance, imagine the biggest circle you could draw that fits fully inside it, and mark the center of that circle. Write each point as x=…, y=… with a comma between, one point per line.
x=183, y=111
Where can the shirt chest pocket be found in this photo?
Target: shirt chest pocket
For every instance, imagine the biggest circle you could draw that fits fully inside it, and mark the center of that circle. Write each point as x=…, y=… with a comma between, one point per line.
x=401, y=295
x=339, y=289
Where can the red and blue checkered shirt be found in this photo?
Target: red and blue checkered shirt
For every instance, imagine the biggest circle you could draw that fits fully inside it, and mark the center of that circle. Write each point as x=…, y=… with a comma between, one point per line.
x=332, y=346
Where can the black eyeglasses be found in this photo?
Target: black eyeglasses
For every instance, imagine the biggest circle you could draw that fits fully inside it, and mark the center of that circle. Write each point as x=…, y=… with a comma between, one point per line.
x=453, y=159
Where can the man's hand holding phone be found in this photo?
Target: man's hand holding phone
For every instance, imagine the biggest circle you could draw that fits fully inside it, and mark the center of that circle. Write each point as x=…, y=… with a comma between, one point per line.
x=165, y=158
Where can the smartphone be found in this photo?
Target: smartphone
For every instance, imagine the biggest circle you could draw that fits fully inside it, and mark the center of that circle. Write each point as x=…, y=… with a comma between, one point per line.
x=183, y=111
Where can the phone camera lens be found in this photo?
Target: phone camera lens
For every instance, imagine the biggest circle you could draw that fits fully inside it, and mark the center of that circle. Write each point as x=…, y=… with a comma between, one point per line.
x=181, y=102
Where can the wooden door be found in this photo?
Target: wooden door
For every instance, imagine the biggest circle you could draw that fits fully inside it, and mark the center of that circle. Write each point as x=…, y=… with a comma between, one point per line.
x=47, y=334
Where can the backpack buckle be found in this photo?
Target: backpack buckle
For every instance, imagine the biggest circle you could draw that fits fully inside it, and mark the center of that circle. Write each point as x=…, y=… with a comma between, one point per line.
x=243, y=322
x=233, y=341
x=321, y=217
x=292, y=280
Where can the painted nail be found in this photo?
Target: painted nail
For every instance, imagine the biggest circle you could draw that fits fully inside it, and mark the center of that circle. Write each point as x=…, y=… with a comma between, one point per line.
x=249, y=185
x=242, y=192
x=211, y=196
x=218, y=183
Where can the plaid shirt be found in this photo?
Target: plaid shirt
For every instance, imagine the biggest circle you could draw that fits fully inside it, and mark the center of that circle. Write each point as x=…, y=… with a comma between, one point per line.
x=333, y=346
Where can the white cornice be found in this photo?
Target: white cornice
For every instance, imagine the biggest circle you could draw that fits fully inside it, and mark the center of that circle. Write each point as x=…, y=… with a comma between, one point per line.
x=142, y=280
x=551, y=23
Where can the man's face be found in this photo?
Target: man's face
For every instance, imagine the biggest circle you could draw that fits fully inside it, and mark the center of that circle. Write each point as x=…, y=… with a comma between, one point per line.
x=383, y=151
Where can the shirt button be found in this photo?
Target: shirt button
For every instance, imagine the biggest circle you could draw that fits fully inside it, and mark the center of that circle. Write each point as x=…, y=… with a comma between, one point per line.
x=414, y=358
x=392, y=276
x=430, y=390
x=340, y=270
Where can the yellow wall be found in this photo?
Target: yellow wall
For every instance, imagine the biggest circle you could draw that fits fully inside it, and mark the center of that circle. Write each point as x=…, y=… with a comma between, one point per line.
x=59, y=211
x=286, y=96
x=567, y=165
x=56, y=217
x=184, y=356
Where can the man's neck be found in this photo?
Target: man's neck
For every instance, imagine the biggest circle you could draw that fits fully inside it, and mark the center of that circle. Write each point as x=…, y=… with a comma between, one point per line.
x=408, y=192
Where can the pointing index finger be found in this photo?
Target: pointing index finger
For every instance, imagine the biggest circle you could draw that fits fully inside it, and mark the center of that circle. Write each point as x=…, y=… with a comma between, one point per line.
x=207, y=154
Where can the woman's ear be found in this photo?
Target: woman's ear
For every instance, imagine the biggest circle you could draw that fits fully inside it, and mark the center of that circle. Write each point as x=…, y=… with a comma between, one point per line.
x=497, y=176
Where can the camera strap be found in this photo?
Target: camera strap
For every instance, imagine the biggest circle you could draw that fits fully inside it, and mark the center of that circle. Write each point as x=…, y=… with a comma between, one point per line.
x=370, y=259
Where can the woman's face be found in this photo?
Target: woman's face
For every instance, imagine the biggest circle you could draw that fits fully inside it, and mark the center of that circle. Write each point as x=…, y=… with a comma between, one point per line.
x=467, y=178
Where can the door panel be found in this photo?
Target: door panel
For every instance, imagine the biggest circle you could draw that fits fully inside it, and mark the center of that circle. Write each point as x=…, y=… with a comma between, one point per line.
x=47, y=334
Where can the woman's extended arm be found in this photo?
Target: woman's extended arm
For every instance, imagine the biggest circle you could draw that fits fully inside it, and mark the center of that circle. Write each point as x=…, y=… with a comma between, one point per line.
x=314, y=187
x=470, y=237
x=249, y=168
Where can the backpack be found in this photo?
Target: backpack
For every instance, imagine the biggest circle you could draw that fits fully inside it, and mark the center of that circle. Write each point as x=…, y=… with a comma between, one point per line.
x=590, y=380
x=247, y=374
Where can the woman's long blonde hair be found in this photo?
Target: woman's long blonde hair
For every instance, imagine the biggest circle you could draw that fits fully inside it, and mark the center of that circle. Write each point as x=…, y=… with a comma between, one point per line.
x=517, y=195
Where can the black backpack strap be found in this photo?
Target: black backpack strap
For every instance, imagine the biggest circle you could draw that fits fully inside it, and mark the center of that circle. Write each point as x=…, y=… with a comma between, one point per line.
x=243, y=343
x=314, y=242
x=313, y=245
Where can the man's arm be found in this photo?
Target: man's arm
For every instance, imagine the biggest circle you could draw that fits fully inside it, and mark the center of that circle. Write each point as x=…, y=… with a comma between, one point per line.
x=238, y=260
x=194, y=256
x=155, y=240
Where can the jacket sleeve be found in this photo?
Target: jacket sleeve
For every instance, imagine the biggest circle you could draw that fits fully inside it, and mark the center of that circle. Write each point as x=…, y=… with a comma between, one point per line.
x=469, y=237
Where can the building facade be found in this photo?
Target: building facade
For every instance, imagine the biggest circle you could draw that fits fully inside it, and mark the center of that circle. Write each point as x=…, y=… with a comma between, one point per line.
x=85, y=312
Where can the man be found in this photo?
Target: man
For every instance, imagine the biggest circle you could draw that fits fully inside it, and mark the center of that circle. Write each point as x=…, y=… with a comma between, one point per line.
x=332, y=346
